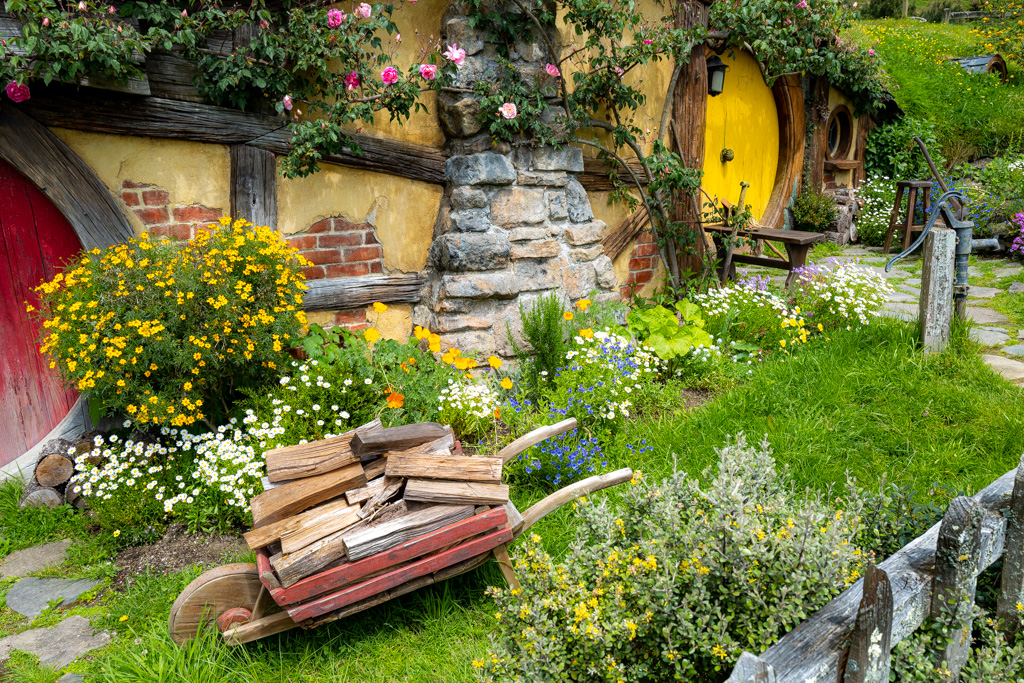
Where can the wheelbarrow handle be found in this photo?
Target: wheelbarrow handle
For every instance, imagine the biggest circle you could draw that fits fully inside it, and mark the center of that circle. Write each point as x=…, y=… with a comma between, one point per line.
x=533, y=438
x=542, y=509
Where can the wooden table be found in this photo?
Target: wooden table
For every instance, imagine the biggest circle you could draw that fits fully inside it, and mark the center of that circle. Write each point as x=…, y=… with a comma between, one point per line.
x=796, y=242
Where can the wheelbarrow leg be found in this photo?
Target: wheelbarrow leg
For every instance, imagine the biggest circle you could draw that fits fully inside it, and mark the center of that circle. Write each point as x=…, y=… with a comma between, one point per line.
x=505, y=565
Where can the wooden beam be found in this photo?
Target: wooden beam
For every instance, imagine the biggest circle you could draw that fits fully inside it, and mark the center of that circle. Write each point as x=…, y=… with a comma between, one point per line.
x=789, y=102
x=335, y=294
x=595, y=176
x=295, y=496
x=455, y=492
x=455, y=468
x=315, y=457
x=253, y=185
x=404, y=437
x=64, y=178
x=625, y=232
x=119, y=114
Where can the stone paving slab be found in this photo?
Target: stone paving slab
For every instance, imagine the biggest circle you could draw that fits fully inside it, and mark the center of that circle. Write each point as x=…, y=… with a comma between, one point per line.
x=989, y=337
x=1012, y=370
x=29, y=597
x=31, y=560
x=914, y=281
x=1015, y=350
x=985, y=315
x=982, y=292
x=58, y=646
x=1016, y=288
x=901, y=311
x=904, y=297
x=909, y=288
x=1006, y=271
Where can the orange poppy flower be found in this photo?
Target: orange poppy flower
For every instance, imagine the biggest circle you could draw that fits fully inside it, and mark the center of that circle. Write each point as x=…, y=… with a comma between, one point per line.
x=396, y=400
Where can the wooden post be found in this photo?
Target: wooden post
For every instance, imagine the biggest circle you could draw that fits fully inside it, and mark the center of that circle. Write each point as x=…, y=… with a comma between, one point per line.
x=870, y=659
x=689, y=116
x=819, y=138
x=945, y=15
x=1011, y=592
x=253, y=185
x=957, y=553
x=936, y=306
x=905, y=9
x=752, y=669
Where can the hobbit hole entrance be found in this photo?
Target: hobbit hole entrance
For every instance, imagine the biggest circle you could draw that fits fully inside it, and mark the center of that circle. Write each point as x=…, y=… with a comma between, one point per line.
x=35, y=241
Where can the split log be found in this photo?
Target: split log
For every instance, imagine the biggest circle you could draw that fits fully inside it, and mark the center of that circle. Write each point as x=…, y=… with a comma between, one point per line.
x=416, y=465
x=387, y=535
x=1011, y=591
x=375, y=468
x=271, y=533
x=302, y=494
x=328, y=550
x=54, y=469
x=40, y=496
x=313, y=530
x=315, y=457
x=350, y=572
x=73, y=496
x=390, y=488
x=364, y=493
x=455, y=492
x=398, y=438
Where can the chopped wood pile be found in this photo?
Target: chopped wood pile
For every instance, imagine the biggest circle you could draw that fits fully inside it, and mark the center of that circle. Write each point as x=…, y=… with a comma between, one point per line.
x=49, y=486
x=367, y=501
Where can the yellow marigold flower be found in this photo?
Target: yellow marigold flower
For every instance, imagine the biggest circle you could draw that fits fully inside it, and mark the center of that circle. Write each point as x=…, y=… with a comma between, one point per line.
x=462, y=363
x=587, y=333
x=583, y=304
x=567, y=315
x=494, y=362
x=782, y=342
x=371, y=335
x=421, y=332
x=506, y=383
x=379, y=307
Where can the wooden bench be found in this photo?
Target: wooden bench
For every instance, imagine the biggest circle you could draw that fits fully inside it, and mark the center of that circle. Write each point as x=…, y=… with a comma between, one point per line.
x=797, y=244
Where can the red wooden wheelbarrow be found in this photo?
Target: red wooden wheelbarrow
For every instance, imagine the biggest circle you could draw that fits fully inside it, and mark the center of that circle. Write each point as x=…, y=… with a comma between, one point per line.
x=247, y=602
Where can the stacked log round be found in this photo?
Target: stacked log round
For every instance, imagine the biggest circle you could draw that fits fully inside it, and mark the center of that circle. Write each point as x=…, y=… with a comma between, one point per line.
x=54, y=469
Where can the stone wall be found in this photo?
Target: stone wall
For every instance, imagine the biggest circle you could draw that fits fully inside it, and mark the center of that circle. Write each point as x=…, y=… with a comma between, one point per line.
x=512, y=227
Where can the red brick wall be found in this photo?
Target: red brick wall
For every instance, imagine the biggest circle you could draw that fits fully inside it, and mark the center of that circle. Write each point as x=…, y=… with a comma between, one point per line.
x=337, y=248
x=152, y=206
x=642, y=263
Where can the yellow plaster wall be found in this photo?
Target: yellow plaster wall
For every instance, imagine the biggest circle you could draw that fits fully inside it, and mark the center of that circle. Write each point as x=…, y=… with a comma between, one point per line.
x=744, y=119
x=191, y=172
x=416, y=22
x=403, y=211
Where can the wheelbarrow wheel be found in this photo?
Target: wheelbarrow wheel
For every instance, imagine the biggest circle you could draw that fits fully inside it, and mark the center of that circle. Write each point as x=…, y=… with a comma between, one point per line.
x=223, y=596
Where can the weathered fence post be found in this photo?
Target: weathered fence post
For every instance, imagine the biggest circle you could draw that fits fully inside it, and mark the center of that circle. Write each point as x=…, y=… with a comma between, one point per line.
x=752, y=669
x=870, y=658
x=945, y=15
x=1011, y=592
x=936, y=307
x=957, y=553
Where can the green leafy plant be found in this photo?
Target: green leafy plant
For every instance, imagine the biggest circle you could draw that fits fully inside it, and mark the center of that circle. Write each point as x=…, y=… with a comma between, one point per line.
x=670, y=333
x=677, y=580
x=892, y=152
x=543, y=330
x=814, y=211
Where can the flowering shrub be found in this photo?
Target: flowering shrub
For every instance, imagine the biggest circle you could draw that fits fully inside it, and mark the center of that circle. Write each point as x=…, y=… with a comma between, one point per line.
x=1017, y=248
x=170, y=332
x=204, y=479
x=878, y=194
x=648, y=590
x=746, y=313
x=843, y=295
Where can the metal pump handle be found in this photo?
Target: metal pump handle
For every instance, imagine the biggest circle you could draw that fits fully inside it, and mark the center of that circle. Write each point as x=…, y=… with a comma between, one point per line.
x=942, y=205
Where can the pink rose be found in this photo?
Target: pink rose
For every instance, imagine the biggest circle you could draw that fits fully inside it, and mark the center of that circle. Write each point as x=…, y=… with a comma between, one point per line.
x=788, y=21
x=287, y=102
x=364, y=10
x=264, y=24
x=335, y=18
x=82, y=7
x=184, y=14
x=455, y=54
x=619, y=71
x=428, y=71
x=802, y=4
x=352, y=81
x=508, y=110
x=389, y=75
x=398, y=37
x=870, y=52
x=552, y=70
x=18, y=93
x=111, y=10
x=46, y=21
x=648, y=41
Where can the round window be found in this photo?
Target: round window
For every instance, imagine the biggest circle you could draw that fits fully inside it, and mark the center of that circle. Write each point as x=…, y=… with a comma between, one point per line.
x=840, y=131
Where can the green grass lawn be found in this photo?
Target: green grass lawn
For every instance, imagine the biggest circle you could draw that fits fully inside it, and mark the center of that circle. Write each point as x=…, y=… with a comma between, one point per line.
x=864, y=401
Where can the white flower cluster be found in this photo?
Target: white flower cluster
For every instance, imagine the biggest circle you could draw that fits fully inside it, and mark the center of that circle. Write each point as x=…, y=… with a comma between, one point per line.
x=848, y=292
x=476, y=400
x=740, y=296
x=877, y=194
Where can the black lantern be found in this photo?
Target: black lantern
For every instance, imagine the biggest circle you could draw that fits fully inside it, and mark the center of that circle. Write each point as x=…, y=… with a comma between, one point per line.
x=716, y=75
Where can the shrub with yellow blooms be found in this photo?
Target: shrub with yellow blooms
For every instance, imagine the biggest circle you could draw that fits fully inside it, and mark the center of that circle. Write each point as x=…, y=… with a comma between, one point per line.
x=673, y=583
x=170, y=332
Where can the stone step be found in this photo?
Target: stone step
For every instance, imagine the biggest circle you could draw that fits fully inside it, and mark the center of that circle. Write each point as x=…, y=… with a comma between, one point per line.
x=58, y=646
x=29, y=597
x=1009, y=369
x=34, y=559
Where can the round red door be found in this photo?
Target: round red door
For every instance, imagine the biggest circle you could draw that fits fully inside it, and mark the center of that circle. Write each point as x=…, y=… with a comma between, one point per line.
x=35, y=240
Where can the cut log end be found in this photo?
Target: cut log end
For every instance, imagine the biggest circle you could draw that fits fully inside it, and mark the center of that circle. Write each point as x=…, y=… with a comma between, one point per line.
x=40, y=496
x=54, y=469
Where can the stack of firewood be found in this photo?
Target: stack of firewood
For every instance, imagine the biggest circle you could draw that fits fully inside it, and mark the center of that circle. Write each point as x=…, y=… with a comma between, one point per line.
x=342, y=499
x=49, y=486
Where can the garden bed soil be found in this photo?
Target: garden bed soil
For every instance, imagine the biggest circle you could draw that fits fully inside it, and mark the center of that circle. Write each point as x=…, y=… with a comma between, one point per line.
x=174, y=552
x=695, y=398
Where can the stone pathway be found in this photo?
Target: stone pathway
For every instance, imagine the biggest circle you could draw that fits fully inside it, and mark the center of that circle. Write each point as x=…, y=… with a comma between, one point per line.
x=59, y=645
